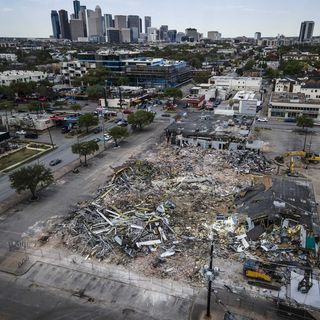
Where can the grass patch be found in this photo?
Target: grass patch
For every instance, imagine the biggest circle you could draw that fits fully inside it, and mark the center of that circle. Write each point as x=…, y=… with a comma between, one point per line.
x=16, y=157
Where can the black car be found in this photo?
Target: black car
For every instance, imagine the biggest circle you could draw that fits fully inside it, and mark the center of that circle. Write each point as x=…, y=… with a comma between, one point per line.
x=31, y=135
x=55, y=162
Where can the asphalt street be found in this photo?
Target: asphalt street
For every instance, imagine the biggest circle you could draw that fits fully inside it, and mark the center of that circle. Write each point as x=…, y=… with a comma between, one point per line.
x=72, y=188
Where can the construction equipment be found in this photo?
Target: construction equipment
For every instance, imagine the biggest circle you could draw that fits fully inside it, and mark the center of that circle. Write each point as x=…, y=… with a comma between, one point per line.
x=307, y=156
x=254, y=269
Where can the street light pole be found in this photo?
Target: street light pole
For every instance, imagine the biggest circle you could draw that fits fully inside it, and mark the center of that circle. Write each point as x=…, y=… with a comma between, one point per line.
x=210, y=283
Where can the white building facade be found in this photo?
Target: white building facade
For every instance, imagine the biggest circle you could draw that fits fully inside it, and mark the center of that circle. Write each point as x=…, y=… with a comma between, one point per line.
x=12, y=76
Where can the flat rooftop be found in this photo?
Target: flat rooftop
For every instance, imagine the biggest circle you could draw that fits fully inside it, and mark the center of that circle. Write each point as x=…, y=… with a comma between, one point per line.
x=290, y=97
x=207, y=124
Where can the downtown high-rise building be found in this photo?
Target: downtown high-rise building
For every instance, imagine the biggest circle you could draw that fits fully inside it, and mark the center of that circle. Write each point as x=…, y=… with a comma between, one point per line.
x=147, y=23
x=134, y=26
x=55, y=24
x=120, y=22
x=94, y=23
x=64, y=24
x=76, y=8
x=306, y=31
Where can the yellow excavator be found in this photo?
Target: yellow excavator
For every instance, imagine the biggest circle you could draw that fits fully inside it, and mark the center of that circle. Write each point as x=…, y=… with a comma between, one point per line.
x=306, y=156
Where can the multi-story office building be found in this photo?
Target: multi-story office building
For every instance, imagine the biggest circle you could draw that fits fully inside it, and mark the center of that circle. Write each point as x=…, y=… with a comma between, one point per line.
x=134, y=22
x=120, y=22
x=77, y=29
x=76, y=8
x=146, y=72
x=108, y=22
x=55, y=24
x=163, y=33
x=64, y=24
x=214, y=35
x=147, y=23
x=306, y=31
x=113, y=35
x=257, y=36
x=140, y=25
x=192, y=34
x=94, y=23
x=82, y=16
x=153, y=34
x=172, y=35
x=125, y=35
x=180, y=36
x=161, y=73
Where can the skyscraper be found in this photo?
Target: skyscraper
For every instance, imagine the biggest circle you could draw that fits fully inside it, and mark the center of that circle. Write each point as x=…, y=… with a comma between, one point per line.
x=108, y=20
x=55, y=24
x=164, y=32
x=94, y=23
x=120, y=22
x=192, y=34
x=76, y=8
x=134, y=25
x=64, y=24
x=82, y=16
x=306, y=31
x=76, y=28
x=140, y=25
x=172, y=35
x=147, y=23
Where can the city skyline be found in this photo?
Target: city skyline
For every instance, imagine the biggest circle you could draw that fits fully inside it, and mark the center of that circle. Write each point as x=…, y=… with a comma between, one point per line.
x=232, y=19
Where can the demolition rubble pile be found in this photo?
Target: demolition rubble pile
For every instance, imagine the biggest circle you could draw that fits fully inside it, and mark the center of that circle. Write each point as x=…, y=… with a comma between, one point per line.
x=246, y=161
x=160, y=207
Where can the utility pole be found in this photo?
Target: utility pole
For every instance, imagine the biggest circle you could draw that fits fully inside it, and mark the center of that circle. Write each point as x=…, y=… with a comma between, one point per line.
x=48, y=128
x=210, y=277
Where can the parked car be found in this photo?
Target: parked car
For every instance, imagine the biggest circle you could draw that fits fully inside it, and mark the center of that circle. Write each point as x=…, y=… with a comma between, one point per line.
x=107, y=137
x=31, y=135
x=290, y=120
x=97, y=130
x=262, y=120
x=122, y=123
x=22, y=132
x=97, y=139
x=65, y=130
x=165, y=115
x=128, y=111
x=55, y=162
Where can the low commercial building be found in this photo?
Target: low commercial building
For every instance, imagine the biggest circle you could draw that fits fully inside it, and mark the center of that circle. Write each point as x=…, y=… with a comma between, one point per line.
x=236, y=83
x=8, y=77
x=284, y=85
x=195, y=100
x=292, y=105
x=248, y=102
x=300, y=56
x=8, y=57
x=37, y=122
x=211, y=131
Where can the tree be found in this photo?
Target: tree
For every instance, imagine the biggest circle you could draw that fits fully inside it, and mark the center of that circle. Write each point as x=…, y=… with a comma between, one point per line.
x=85, y=148
x=29, y=177
x=140, y=118
x=93, y=77
x=75, y=107
x=95, y=91
x=305, y=122
x=292, y=67
x=7, y=106
x=117, y=133
x=173, y=92
x=87, y=120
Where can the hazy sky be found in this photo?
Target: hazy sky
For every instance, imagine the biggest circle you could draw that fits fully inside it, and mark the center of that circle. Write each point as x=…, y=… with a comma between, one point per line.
x=31, y=18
